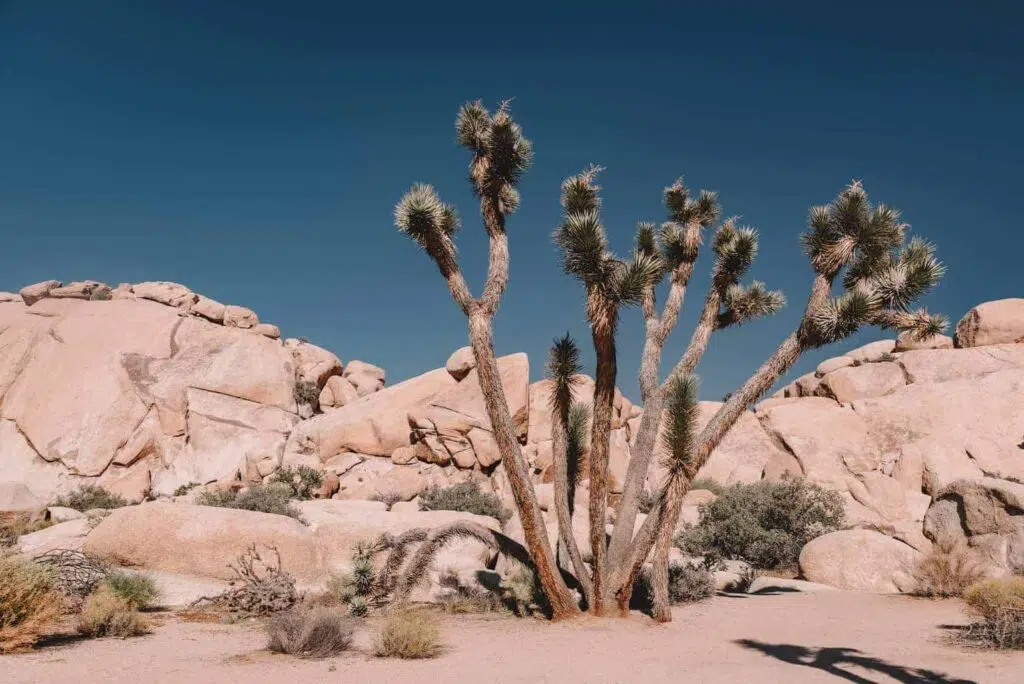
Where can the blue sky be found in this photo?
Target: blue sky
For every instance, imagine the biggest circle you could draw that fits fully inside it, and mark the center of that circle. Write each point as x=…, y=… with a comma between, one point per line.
x=254, y=151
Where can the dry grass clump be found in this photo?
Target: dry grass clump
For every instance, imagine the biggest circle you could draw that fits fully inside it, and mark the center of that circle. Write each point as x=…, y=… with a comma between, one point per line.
x=28, y=602
x=14, y=525
x=260, y=587
x=274, y=498
x=409, y=634
x=948, y=571
x=107, y=614
x=1000, y=605
x=310, y=633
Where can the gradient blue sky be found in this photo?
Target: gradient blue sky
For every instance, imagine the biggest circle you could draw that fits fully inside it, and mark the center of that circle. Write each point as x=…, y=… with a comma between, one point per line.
x=254, y=150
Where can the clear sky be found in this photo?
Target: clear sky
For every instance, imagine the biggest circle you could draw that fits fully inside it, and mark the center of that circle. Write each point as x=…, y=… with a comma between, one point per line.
x=254, y=149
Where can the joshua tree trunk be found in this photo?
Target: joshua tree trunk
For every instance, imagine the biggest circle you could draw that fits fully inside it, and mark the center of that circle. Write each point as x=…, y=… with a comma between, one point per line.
x=534, y=530
x=563, y=498
x=603, y=332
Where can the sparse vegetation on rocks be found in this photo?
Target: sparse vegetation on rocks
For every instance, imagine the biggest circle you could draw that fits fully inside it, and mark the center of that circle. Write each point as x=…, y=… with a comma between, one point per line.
x=310, y=632
x=389, y=499
x=137, y=589
x=765, y=523
x=14, y=525
x=303, y=480
x=272, y=498
x=948, y=570
x=999, y=603
x=88, y=497
x=466, y=497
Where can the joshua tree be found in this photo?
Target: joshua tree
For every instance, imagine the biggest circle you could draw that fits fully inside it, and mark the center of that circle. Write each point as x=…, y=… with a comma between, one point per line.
x=863, y=246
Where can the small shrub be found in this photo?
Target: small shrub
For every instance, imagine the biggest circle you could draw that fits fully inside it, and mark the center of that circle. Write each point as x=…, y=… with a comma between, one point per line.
x=948, y=571
x=408, y=634
x=689, y=584
x=138, y=590
x=707, y=484
x=765, y=523
x=1000, y=605
x=315, y=633
x=184, y=489
x=389, y=499
x=107, y=614
x=14, y=525
x=88, y=497
x=28, y=602
x=358, y=587
x=269, y=498
x=303, y=481
x=100, y=294
x=466, y=497
x=460, y=599
x=306, y=392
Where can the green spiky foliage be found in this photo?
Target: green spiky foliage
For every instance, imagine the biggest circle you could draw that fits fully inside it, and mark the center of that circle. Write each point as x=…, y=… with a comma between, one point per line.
x=882, y=274
x=680, y=428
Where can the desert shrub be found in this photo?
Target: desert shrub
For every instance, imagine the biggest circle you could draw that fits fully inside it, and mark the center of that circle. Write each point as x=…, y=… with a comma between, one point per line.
x=948, y=571
x=28, y=602
x=689, y=584
x=389, y=499
x=88, y=497
x=466, y=497
x=260, y=586
x=765, y=523
x=100, y=294
x=182, y=490
x=307, y=392
x=408, y=634
x=107, y=614
x=14, y=525
x=138, y=590
x=356, y=588
x=269, y=498
x=303, y=480
x=708, y=484
x=1000, y=605
x=310, y=633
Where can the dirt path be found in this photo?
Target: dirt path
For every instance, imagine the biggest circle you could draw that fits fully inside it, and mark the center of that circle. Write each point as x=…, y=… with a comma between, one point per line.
x=826, y=637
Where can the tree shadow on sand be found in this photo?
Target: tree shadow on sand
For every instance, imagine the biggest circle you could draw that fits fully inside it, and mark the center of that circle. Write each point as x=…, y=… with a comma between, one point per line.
x=831, y=660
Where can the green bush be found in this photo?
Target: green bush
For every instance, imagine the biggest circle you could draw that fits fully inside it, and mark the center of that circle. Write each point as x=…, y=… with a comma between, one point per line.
x=107, y=614
x=28, y=602
x=1000, y=605
x=303, y=481
x=356, y=588
x=408, y=634
x=269, y=498
x=88, y=497
x=689, y=584
x=389, y=499
x=306, y=392
x=315, y=633
x=765, y=523
x=138, y=590
x=466, y=497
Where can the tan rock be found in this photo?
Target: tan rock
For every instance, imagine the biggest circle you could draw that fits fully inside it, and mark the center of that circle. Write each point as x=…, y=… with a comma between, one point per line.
x=996, y=322
x=828, y=440
x=10, y=297
x=132, y=484
x=943, y=365
x=907, y=342
x=869, y=380
x=403, y=455
x=829, y=365
x=806, y=385
x=330, y=486
x=782, y=465
x=484, y=447
x=170, y=294
x=65, y=535
x=365, y=377
x=123, y=291
x=985, y=512
x=946, y=463
x=240, y=317
x=210, y=309
x=379, y=476
x=201, y=541
x=267, y=330
x=80, y=289
x=312, y=363
x=16, y=497
x=859, y=560
x=31, y=294
x=999, y=460
x=872, y=351
x=337, y=392
x=461, y=362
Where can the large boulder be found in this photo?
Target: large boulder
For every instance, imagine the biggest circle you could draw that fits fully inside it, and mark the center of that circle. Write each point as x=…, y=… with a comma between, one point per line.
x=859, y=560
x=312, y=363
x=16, y=497
x=996, y=322
x=984, y=512
x=943, y=365
x=867, y=380
x=907, y=341
x=365, y=377
x=201, y=540
x=461, y=362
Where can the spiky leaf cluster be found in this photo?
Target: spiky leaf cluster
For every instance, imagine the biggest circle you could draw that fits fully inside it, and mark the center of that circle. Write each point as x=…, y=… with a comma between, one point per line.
x=680, y=424
x=881, y=273
x=680, y=237
x=584, y=246
x=577, y=438
x=501, y=153
x=563, y=369
x=422, y=215
x=745, y=303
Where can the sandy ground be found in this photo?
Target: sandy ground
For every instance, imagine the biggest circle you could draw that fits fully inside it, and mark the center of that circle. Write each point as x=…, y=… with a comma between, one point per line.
x=824, y=637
